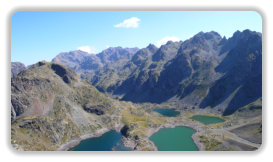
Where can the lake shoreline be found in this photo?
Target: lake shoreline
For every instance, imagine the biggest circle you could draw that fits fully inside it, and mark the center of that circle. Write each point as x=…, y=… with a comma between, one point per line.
x=74, y=142
x=131, y=143
x=194, y=136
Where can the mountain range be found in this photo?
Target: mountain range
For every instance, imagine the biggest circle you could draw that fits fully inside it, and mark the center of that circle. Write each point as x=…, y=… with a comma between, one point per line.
x=206, y=70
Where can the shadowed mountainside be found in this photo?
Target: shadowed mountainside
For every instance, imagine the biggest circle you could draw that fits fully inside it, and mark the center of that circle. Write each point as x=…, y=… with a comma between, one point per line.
x=206, y=70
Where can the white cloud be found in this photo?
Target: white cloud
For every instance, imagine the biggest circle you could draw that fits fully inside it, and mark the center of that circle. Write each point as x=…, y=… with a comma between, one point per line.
x=88, y=49
x=166, y=39
x=133, y=22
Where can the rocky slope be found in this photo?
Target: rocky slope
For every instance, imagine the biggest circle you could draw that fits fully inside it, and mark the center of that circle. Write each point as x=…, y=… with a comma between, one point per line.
x=16, y=68
x=51, y=104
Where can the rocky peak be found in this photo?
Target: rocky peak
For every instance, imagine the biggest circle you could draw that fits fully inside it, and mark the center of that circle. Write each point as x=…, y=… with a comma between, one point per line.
x=207, y=36
x=244, y=35
x=72, y=59
x=167, y=51
x=223, y=41
x=205, y=43
x=152, y=48
x=237, y=37
x=78, y=52
x=113, y=54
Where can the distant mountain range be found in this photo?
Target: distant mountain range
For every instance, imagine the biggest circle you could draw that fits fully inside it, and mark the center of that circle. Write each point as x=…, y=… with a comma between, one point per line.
x=205, y=70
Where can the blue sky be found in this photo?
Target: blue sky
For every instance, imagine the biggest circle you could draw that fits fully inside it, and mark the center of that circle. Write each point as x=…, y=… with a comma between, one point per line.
x=41, y=35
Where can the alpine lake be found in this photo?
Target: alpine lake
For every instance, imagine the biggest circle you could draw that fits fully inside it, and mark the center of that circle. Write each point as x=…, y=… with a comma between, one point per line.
x=166, y=139
x=207, y=119
x=109, y=141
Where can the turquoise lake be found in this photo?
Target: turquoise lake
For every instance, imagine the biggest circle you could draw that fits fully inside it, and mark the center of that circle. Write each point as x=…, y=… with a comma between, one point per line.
x=167, y=112
x=207, y=119
x=174, y=139
x=109, y=141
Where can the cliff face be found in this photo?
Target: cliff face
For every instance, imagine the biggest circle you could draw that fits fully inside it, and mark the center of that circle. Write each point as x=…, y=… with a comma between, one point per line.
x=51, y=104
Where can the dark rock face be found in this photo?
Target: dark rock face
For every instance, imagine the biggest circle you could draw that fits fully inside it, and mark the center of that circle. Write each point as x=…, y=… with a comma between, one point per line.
x=65, y=74
x=124, y=130
x=30, y=124
x=95, y=109
x=16, y=68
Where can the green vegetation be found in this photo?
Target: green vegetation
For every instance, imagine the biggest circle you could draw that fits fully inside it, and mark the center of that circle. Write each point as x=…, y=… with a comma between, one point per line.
x=139, y=121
